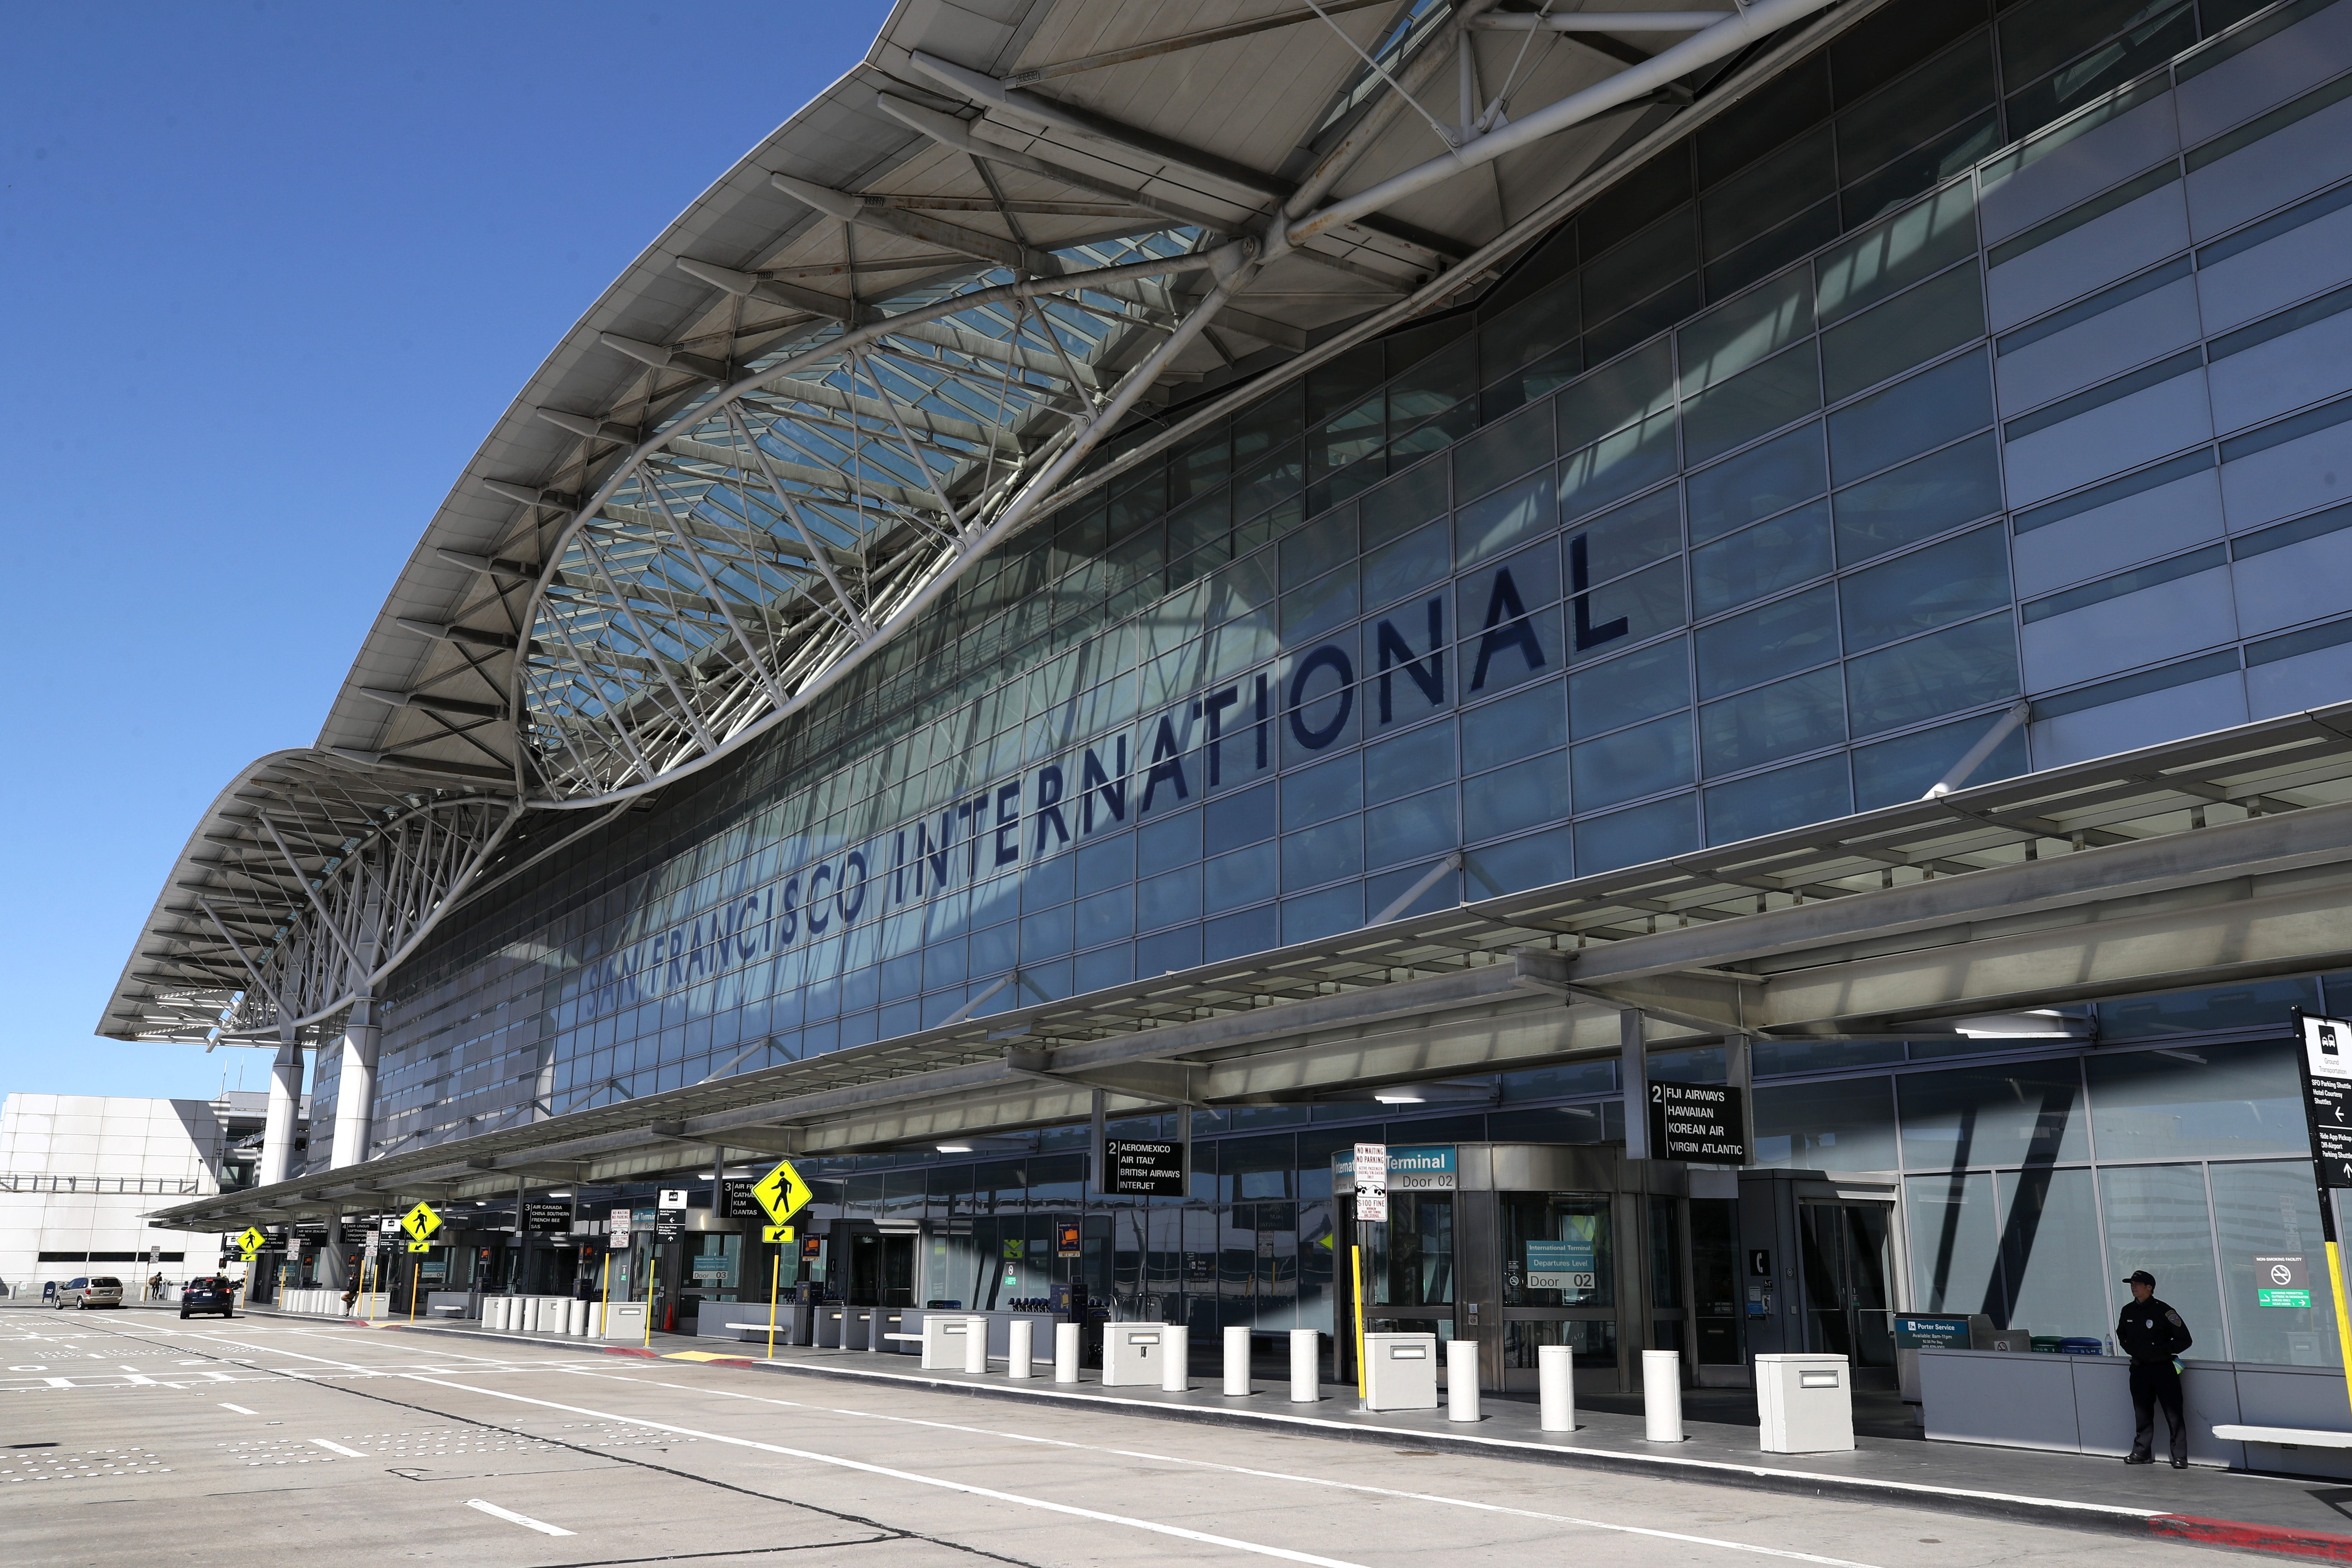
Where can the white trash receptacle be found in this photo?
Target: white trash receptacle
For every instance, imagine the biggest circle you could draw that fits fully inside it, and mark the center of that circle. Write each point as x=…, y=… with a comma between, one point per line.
x=943, y=1337
x=626, y=1320
x=1133, y=1353
x=1400, y=1371
x=1805, y=1404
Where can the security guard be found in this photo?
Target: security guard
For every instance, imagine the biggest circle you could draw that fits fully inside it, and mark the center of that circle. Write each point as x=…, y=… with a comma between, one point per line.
x=2152, y=1333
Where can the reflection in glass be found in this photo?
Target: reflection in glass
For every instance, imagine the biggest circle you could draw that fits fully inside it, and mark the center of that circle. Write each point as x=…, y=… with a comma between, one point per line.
x=1558, y=1250
x=2157, y=1219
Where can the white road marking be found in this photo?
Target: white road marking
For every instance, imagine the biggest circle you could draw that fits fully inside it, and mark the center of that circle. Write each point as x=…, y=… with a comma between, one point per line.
x=1782, y=1552
x=334, y=1447
x=240, y=1409
x=1255, y=1548
x=523, y=1519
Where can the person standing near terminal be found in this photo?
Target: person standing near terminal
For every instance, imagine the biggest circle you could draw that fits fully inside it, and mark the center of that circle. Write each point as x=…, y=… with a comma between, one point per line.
x=2152, y=1333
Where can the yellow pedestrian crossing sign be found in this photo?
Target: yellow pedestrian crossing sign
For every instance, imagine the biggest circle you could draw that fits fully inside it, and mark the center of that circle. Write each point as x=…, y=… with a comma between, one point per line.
x=780, y=1235
x=252, y=1241
x=420, y=1222
x=420, y=1247
x=781, y=1191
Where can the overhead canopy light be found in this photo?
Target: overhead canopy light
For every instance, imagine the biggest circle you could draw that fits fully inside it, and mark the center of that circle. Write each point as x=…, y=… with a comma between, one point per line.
x=1434, y=1093
x=2031, y=1023
x=985, y=1145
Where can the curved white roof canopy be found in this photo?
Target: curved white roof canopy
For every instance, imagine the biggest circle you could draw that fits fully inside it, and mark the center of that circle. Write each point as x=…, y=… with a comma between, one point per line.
x=884, y=341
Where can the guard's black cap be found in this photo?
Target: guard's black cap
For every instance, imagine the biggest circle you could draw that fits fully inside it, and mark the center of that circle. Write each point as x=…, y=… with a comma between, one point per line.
x=2142, y=1277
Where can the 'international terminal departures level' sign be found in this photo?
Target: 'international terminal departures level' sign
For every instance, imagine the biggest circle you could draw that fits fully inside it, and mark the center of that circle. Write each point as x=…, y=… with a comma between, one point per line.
x=1705, y=1123
x=1153, y=1170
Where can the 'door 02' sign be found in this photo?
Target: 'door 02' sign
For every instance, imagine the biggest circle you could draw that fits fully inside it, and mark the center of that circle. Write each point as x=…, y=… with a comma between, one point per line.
x=1214, y=738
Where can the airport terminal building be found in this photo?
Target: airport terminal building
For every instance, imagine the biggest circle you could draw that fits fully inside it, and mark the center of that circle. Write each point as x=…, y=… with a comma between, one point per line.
x=1263, y=581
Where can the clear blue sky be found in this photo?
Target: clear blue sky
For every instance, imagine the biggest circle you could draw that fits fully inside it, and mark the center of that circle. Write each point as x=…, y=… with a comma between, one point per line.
x=267, y=274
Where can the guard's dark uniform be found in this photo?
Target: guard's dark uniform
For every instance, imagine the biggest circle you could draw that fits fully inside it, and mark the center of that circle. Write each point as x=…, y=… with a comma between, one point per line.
x=2152, y=1333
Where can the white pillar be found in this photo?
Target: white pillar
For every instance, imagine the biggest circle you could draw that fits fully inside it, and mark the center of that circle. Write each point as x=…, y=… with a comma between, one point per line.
x=975, y=1345
x=1556, y=1386
x=1461, y=1380
x=285, y=1107
x=1022, y=1337
x=1238, y=1352
x=876, y=1325
x=1065, y=1352
x=1661, y=1395
x=1306, y=1368
x=1176, y=1365
x=355, y=1094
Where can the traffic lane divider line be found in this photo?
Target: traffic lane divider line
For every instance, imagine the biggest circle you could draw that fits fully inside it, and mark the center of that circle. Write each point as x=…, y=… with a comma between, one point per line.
x=1070, y=1510
x=334, y=1447
x=1786, y=1554
x=240, y=1409
x=509, y=1515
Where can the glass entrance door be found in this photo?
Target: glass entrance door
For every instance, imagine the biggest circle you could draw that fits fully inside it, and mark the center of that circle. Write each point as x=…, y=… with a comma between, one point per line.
x=1559, y=1281
x=1847, y=1263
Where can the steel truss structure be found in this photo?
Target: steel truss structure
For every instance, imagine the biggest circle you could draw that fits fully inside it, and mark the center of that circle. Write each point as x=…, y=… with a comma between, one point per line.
x=845, y=376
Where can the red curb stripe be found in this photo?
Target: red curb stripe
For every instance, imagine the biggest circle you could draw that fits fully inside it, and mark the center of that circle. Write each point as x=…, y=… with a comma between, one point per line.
x=2245, y=1537
x=630, y=1349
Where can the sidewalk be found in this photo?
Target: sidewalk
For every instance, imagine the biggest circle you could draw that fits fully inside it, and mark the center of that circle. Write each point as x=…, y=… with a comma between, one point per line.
x=2299, y=1517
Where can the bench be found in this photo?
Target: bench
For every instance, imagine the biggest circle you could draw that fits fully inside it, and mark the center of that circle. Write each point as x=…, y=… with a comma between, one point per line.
x=2284, y=1437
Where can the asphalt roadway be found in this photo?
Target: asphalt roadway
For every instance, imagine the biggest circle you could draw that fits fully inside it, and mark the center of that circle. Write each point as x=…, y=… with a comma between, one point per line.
x=134, y=1437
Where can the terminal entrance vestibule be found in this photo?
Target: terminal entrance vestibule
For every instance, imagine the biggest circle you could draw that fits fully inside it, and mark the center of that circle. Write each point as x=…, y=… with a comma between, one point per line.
x=1522, y=1246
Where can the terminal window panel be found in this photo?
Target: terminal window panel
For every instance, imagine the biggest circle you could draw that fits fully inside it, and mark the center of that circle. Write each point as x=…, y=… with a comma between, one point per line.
x=1729, y=554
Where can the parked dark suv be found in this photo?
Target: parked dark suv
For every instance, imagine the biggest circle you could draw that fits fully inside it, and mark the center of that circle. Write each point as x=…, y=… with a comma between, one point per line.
x=211, y=1294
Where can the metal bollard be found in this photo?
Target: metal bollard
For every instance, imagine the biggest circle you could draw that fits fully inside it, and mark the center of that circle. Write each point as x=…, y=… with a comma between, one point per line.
x=1176, y=1366
x=1556, y=1386
x=975, y=1345
x=1661, y=1395
x=1065, y=1352
x=1021, y=1334
x=1461, y=1380
x=1237, y=1357
x=1305, y=1371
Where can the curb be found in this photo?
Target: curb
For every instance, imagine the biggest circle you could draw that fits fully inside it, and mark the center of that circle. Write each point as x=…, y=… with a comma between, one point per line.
x=2277, y=1540
x=2098, y=1518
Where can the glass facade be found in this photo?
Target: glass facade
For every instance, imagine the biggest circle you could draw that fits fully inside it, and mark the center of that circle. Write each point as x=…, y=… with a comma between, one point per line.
x=1980, y=355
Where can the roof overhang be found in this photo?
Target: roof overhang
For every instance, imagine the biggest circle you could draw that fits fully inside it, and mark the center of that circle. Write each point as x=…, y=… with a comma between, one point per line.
x=883, y=341
x=2223, y=858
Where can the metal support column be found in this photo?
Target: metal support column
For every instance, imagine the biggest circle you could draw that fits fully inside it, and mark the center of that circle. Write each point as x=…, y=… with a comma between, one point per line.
x=1634, y=1077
